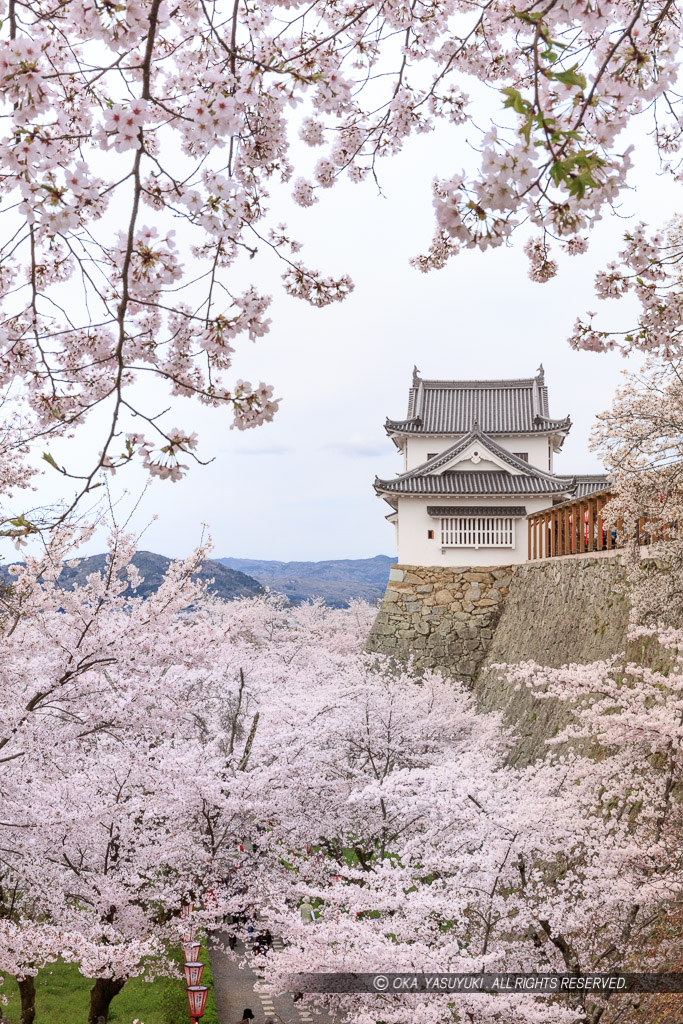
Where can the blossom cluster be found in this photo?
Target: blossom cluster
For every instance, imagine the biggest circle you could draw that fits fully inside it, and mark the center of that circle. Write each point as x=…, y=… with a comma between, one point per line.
x=126, y=123
x=648, y=267
x=182, y=749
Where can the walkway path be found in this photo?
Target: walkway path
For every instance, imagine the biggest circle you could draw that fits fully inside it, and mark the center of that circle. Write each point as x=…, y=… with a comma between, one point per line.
x=236, y=987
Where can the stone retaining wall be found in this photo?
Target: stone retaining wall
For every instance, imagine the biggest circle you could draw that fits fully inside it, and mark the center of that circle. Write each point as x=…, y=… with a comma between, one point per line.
x=558, y=612
x=464, y=621
x=444, y=617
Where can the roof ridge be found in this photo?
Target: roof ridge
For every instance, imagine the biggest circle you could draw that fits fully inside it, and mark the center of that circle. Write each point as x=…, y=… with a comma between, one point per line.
x=496, y=382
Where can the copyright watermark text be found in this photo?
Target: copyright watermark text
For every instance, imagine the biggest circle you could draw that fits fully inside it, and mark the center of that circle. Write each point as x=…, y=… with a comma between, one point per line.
x=402, y=983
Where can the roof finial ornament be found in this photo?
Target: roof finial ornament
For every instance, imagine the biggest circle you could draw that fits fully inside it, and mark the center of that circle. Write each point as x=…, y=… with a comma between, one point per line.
x=416, y=376
x=541, y=373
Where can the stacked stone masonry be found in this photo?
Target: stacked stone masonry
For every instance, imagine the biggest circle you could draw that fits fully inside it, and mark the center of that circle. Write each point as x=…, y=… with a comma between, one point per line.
x=443, y=617
x=466, y=622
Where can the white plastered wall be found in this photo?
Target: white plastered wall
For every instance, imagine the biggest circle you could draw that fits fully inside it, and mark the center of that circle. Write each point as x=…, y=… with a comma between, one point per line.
x=418, y=448
x=415, y=548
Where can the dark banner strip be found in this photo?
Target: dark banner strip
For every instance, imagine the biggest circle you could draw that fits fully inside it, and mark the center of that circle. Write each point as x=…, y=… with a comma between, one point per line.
x=511, y=983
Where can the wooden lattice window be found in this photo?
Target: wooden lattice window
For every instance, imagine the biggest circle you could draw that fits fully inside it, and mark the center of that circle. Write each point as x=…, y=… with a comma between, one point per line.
x=478, y=532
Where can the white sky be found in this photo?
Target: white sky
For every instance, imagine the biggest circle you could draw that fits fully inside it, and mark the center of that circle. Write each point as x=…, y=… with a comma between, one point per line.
x=301, y=487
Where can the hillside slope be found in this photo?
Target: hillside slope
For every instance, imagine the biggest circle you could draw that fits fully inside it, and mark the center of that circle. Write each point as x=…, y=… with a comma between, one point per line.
x=227, y=582
x=337, y=581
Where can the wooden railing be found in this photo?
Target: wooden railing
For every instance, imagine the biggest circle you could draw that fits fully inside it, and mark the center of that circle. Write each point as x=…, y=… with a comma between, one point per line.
x=572, y=528
x=577, y=526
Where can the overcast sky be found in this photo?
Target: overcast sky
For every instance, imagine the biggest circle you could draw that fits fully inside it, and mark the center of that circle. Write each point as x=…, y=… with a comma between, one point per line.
x=301, y=487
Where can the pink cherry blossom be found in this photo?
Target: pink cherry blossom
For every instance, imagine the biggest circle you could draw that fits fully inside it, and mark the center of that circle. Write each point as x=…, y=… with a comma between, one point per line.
x=123, y=123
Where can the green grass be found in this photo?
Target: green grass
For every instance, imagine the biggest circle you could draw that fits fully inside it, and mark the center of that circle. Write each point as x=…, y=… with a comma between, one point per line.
x=63, y=997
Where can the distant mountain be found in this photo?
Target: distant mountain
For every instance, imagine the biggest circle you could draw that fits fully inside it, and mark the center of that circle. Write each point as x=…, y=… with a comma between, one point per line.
x=227, y=582
x=337, y=581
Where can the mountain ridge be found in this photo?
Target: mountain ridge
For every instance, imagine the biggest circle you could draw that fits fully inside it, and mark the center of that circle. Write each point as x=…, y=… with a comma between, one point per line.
x=227, y=583
x=337, y=580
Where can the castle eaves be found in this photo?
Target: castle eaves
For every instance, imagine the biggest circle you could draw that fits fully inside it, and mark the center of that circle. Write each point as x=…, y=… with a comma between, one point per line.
x=464, y=483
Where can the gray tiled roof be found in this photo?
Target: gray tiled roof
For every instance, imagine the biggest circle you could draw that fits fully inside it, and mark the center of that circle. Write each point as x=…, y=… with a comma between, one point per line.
x=476, y=510
x=426, y=478
x=590, y=484
x=525, y=478
x=475, y=484
x=499, y=406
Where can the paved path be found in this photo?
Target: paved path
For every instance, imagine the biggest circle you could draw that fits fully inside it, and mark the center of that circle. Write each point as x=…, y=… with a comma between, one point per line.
x=237, y=987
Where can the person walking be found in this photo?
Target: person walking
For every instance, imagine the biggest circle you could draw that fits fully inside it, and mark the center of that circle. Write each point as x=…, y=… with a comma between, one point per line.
x=247, y=1015
x=229, y=886
x=263, y=942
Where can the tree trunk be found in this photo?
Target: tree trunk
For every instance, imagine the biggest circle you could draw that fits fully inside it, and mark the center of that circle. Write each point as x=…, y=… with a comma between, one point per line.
x=101, y=995
x=27, y=992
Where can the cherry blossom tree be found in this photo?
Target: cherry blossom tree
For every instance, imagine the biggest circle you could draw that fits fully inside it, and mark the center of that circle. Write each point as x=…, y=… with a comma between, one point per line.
x=140, y=142
x=431, y=855
x=128, y=761
x=119, y=794
x=630, y=715
x=390, y=805
x=144, y=742
x=639, y=441
x=151, y=740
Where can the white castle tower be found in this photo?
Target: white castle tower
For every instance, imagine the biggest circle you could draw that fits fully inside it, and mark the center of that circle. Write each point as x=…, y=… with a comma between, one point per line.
x=477, y=459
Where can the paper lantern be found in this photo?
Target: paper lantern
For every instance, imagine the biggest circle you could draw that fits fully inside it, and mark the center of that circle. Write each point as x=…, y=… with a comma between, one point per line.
x=196, y=1000
x=193, y=973
x=191, y=951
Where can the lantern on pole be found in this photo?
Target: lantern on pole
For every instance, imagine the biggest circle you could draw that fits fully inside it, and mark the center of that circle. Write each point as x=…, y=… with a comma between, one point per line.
x=191, y=952
x=193, y=973
x=189, y=932
x=196, y=1000
x=186, y=910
